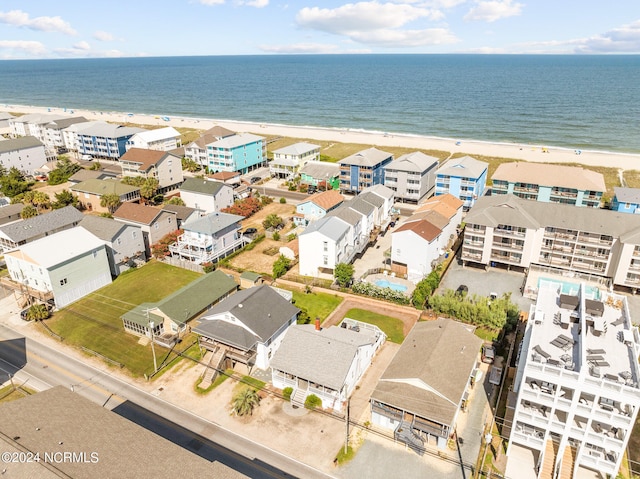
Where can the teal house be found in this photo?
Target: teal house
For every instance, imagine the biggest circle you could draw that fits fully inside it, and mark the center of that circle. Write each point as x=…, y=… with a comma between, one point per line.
x=242, y=152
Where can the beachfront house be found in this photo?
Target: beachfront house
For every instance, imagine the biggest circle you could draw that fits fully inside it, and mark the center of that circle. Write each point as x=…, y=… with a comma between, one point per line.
x=104, y=140
x=90, y=193
x=328, y=362
x=411, y=176
x=363, y=169
x=62, y=267
x=241, y=152
x=288, y=160
x=161, y=165
x=423, y=390
x=321, y=174
x=5, y=128
x=52, y=132
x=26, y=154
x=19, y=233
x=575, y=398
x=155, y=223
x=209, y=238
x=626, y=200
x=246, y=328
x=206, y=195
x=465, y=178
x=170, y=315
x=316, y=206
x=197, y=149
x=570, y=185
x=160, y=139
x=32, y=124
x=423, y=238
x=124, y=242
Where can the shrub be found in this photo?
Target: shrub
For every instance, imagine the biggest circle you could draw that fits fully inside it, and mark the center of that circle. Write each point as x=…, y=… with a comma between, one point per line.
x=245, y=207
x=283, y=200
x=276, y=236
x=291, y=236
x=425, y=288
x=312, y=402
x=374, y=291
x=281, y=266
x=286, y=393
x=208, y=267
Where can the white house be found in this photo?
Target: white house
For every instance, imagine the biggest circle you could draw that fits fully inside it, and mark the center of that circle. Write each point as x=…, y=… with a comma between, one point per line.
x=32, y=124
x=207, y=239
x=207, y=195
x=288, y=160
x=161, y=139
x=52, y=132
x=327, y=362
x=197, y=150
x=67, y=265
x=247, y=327
x=411, y=176
x=323, y=244
x=26, y=154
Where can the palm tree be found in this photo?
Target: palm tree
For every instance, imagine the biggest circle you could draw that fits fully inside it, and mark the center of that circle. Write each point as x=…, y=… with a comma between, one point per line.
x=245, y=401
x=148, y=188
x=111, y=201
x=38, y=312
x=28, y=212
x=41, y=200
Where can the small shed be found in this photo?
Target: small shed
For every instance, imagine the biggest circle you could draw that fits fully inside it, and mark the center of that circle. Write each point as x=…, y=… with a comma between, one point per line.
x=568, y=301
x=290, y=250
x=594, y=308
x=249, y=279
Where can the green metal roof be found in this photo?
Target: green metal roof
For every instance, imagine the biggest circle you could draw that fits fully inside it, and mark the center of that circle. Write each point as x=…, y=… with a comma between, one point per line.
x=251, y=276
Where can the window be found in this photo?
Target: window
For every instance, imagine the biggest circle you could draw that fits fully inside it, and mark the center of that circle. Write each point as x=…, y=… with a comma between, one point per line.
x=325, y=246
x=63, y=281
x=325, y=260
x=134, y=234
x=169, y=220
x=157, y=226
x=119, y=241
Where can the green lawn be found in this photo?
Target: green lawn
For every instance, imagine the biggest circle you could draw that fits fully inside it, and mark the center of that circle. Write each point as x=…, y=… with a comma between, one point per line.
x=94, y=321
x=392, y=327
x=318, y=305
x=8, y=394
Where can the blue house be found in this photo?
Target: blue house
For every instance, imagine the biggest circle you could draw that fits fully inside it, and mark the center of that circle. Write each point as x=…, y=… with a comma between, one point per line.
x=104, y=140
x=465, y=178
x=363, y=169
x=626, y=200
x=317, y=206
x=241, y=152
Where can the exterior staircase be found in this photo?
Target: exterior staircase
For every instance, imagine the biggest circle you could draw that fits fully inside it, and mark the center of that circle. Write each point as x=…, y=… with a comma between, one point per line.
x=298, y=397
x=213, y=365
x=405, y=434
x=549, y=460
x=568, y=462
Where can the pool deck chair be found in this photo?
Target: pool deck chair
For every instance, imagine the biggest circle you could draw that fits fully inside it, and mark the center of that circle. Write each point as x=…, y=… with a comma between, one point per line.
x=541, y=352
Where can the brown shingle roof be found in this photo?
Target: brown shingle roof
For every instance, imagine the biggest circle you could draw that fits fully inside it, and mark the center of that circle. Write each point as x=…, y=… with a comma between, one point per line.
x=447, y=205
x=550, y=175
x=146, y=158
x=137, y=212
x=224, y=175
x=422, y=228
x=327, y=199
x=432, y=216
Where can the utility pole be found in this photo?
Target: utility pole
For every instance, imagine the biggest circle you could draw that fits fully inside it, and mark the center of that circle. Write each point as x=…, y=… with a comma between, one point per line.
x=346, y=437
x=153, y=349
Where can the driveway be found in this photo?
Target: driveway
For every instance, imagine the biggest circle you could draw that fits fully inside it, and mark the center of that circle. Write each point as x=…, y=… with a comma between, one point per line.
x=483, y=282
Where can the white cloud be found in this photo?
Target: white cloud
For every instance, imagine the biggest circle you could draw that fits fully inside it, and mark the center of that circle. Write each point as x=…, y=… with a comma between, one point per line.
x=102, y=36
x=211, y=2
x=18, y=18
x=360, y=16
x=300, y=48
x=254, y=3
x=375, y=23
x=625, y=39
x=30, y=47
x=490, y=11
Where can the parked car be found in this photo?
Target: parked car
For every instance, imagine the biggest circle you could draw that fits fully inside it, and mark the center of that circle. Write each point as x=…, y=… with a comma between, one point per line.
x=255, y=179
x=488, y=354
x=462, y=289
x=23, y=314
x=250, y=231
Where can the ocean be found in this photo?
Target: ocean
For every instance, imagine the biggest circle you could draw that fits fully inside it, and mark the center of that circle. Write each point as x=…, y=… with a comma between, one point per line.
x=573, y=101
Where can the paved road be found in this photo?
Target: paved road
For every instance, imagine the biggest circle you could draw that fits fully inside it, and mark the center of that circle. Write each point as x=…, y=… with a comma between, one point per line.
x=38, y=366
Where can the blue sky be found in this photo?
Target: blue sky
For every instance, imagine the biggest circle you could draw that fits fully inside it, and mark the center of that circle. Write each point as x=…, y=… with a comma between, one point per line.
x=49, y=29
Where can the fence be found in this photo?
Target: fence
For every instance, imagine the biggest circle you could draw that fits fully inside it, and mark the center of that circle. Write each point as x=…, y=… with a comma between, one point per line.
x=183, y=263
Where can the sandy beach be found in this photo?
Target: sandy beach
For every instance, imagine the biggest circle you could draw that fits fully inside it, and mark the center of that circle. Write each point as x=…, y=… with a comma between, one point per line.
x=534, y=153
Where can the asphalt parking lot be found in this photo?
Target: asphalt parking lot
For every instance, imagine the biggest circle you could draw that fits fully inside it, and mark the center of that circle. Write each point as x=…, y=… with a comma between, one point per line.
x=483, y=283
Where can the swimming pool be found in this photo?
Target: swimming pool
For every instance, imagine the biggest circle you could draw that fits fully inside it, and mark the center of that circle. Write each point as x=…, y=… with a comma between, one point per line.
x=384, y=283
x=567, y=287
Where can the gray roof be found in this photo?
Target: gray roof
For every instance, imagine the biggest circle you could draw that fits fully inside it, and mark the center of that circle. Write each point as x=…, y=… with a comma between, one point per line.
x=297, y=149
x=41, y=224
x=108, y=130
x=320, y=169
x=104, y=187
x=212, y=223
x=627, y=195
x=511, y=210
x=329, y=226
x=188, y=301
x=442, y=355
x=203, y=186
x=260, y=309
x=416, y=162
x=4, y=115
x=182, y=212
x=372, y=198
x=19, y=144
x=369, y=157
x=361, y=205
x=38, y=118
x=380, y=190
x=323, y=357
x=237, y=140
x=44, y=421
x=104, y=228
x=84, y=175
x=346, y=214
x=10, y=210
x=465, y=167
x=63, y=123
